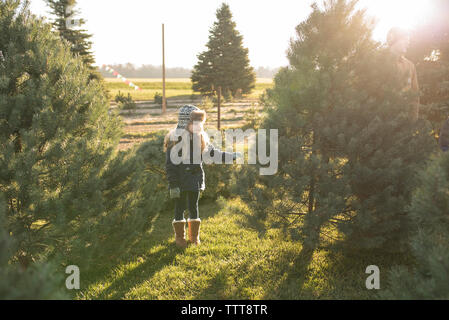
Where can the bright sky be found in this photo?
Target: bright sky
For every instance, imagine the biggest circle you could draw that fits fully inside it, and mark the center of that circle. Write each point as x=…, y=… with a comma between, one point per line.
x=130, y=31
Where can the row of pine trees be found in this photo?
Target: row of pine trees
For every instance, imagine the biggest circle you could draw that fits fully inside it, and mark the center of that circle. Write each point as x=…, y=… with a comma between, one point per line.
x=68, y=196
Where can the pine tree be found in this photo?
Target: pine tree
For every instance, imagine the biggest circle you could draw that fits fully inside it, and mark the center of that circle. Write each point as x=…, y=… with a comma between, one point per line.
x=69, y=29
x=347, y=149
x=225, y=63
x=430, y=239
x=55, y=132
x=70, y=193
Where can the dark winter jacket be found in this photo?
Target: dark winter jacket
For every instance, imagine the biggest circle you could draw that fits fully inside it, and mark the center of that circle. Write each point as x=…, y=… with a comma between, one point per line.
x=444, y=136
x=190, y=177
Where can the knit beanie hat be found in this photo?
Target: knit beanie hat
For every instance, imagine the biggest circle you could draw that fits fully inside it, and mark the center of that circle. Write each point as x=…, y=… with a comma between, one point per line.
x=189, y=113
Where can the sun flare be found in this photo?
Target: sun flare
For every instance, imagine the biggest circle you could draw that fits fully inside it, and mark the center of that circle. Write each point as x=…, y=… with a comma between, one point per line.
x=406, y=14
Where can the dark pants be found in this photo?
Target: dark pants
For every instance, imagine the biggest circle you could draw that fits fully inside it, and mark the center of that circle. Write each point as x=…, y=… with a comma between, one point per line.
x=187, y=200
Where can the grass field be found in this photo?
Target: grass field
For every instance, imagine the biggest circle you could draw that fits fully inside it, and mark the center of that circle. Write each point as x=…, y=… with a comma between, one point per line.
x=180, y=88
x=240, y=257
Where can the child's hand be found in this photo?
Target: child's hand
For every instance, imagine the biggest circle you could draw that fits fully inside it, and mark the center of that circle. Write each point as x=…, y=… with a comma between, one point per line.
x=175, y=193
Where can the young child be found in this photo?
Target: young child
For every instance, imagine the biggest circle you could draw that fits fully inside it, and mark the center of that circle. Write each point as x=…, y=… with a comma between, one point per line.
x=186, y=180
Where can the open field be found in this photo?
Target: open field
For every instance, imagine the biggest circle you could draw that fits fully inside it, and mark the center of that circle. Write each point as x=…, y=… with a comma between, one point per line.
x=259, y=80
x=180, y=88
x=147, y=117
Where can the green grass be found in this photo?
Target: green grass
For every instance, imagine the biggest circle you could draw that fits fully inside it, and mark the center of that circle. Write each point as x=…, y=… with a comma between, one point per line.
x=178, y=88
x=240, y=257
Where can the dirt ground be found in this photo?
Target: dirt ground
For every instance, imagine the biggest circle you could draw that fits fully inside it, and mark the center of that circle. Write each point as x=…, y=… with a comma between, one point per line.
x=147, y=117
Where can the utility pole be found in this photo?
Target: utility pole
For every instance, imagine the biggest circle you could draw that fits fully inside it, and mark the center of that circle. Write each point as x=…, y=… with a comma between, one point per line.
x=164, y=102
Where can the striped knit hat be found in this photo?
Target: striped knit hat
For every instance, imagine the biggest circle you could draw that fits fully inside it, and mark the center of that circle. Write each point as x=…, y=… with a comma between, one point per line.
x=189, y=113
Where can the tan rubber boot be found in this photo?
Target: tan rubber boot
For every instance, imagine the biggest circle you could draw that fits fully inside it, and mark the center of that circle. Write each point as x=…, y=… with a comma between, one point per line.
x=180, y=233
x=194, y=231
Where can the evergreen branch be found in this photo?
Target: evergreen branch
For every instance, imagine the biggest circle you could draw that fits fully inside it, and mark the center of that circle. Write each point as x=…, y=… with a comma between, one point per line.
x=296, y=213
x=43, y=226
x=330, y=237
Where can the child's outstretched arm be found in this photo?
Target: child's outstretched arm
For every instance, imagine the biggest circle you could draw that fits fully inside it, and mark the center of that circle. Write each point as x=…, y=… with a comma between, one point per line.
x=212, y=150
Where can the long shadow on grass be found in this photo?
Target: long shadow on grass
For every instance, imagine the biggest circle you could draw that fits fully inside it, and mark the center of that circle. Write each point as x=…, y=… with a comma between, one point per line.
x=137, y=252
x=346, y=274
x=254, y=223
x=160, y=233
x=239, y=284
x=283, y=280
x=152, y=263
x=297, y=275
x=293, y=276
x=342, y=273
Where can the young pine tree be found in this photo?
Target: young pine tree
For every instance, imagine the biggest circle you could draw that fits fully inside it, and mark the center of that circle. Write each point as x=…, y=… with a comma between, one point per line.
x=69, y=192
x=347, y=149
x=225, y=63
x=69, y=29
x=429, y=240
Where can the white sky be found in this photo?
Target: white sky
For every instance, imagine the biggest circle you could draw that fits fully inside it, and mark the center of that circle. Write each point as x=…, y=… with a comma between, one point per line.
x=130, y=30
